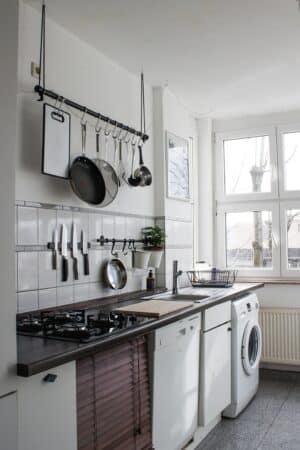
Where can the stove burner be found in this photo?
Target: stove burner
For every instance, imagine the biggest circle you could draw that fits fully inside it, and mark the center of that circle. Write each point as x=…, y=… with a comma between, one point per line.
x=77, y=326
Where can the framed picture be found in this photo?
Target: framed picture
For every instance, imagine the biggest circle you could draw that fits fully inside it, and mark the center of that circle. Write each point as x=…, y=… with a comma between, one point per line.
x=178, y=167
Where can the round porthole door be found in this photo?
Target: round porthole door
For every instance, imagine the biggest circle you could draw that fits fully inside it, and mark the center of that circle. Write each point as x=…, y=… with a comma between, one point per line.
x=251, y=347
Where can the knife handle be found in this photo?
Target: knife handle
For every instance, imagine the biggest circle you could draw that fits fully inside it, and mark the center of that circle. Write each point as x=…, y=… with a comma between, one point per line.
x=54, y=260
x=86, y=264
x=65, y=269
x=75, y=268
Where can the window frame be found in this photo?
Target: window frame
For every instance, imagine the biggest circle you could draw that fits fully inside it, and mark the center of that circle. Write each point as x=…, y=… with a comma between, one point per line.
x=283, y=193
x=221, y=195
x=249, y=206
x=284, y=206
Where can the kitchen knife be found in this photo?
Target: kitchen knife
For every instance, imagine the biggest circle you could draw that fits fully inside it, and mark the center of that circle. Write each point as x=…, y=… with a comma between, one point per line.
x=75, y=251
x=84, y=245
x=55, y=249
x=64, y=252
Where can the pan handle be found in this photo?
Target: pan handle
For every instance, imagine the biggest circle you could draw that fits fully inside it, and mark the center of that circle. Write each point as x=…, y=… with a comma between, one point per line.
x=83, y=136
x=141, y=155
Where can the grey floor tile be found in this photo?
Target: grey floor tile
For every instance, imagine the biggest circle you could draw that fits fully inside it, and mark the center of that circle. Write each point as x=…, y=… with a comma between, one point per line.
x=280, y=438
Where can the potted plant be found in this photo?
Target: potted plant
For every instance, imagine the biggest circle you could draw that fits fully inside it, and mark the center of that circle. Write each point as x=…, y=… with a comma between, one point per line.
x=154, y=242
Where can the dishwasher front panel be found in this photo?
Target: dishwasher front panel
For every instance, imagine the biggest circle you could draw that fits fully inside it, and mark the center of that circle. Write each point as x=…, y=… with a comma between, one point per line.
x=175, y=383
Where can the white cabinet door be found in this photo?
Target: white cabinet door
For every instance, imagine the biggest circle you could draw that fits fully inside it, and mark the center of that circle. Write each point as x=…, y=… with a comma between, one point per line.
x=8, y=422
x=215, y=373
x=47, y=410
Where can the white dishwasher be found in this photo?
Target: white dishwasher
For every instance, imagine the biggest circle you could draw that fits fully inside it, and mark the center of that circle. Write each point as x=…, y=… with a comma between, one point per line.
x=175, y=379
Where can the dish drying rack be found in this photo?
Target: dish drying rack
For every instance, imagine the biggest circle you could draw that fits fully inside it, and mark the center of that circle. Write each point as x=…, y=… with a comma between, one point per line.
x=212, y=278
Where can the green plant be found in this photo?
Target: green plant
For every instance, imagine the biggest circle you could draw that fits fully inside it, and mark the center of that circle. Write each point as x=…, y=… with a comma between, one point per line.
x=154, y=236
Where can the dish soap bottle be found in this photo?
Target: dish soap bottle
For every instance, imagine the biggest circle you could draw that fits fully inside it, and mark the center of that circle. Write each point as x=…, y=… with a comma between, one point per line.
x=150, y=281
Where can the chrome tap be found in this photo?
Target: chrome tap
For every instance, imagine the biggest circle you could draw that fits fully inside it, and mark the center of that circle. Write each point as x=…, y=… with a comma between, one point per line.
x=176, y=274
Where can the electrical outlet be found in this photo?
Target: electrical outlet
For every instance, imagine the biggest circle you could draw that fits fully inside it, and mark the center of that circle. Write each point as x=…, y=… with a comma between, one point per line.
x=35, y=70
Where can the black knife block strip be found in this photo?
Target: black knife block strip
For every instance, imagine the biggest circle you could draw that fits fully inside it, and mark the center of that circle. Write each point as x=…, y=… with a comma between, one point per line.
x=50, y=246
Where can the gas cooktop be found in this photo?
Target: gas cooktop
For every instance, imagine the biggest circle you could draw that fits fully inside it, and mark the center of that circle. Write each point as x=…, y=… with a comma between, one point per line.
x=78, y=325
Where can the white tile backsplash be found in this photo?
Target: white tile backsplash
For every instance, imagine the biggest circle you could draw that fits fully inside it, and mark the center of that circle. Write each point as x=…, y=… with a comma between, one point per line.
x=46, y=274
x=47, y=298
x=27, y=226
x=81, y=292
x=27, y=271
x=95, y=226
x=27, y=301
x=108, y=226
x=65, y=295
x=46, y=225
x=39, y=285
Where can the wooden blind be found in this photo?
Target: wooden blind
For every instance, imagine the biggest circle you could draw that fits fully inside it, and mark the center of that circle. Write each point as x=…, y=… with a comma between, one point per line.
x=113, y=399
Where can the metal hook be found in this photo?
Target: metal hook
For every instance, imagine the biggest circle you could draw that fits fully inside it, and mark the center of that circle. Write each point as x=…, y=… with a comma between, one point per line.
x=116, y=135
x=124, y=136
x=124, y=246
x=61, y=100
x=106, y=130
x=112, y=248
x=126, y=141
x=82, y=121
x=98, y=127
x=140, y=142
x=133, y=246
x=134, y=139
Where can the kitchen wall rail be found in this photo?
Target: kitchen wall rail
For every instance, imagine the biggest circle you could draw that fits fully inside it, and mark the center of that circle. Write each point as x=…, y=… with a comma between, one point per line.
x=45, y=92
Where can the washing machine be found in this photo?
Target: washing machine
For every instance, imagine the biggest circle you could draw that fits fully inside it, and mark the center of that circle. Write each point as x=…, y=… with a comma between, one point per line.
x=246, y=345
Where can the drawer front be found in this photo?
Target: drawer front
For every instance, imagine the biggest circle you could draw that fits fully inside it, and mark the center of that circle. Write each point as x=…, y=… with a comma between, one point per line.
x=216, y=315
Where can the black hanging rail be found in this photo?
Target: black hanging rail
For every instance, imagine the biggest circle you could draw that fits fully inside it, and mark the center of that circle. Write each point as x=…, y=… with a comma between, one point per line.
x=45, y=92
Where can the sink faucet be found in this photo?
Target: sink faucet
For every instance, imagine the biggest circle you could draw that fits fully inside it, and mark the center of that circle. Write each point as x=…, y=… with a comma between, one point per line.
x=176, y=274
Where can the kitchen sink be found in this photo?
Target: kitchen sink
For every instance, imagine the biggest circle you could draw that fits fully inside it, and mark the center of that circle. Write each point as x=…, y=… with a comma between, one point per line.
x=179, y=297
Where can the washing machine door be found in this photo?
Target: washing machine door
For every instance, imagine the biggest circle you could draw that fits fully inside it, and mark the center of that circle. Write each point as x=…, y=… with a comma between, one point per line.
x=251, y=347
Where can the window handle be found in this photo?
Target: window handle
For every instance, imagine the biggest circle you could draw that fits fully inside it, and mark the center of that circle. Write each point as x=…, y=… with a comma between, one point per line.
x=275, y=240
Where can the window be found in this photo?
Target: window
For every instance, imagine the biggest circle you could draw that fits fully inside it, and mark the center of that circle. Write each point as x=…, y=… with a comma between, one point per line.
x=258, y=201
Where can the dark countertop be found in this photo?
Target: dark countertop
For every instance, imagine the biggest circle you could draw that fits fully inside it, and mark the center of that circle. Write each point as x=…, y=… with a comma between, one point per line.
x=37, y=354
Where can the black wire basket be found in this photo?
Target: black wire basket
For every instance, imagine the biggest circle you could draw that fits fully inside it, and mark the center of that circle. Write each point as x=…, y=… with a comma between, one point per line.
x=212, y=278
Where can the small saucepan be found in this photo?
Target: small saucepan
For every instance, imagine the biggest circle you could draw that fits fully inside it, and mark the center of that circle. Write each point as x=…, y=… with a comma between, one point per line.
x=142, y=171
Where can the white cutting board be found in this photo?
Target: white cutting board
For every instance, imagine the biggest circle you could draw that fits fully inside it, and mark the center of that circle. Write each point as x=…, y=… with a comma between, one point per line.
x=155, y=308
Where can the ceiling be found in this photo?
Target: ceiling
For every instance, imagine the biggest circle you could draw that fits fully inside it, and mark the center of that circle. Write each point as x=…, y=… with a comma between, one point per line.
x=220, y=58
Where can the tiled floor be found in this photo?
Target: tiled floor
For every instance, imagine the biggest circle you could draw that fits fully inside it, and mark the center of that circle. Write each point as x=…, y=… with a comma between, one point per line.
x=271, y=421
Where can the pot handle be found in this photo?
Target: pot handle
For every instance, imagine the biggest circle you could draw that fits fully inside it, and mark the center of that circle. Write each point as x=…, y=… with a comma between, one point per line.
x=141, y=155
x=83, y=136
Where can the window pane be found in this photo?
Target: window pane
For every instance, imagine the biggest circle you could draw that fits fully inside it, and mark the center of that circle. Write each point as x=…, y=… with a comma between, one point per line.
x=291, y=158
x=247, y=165
x=293, y=238
x=249, y=239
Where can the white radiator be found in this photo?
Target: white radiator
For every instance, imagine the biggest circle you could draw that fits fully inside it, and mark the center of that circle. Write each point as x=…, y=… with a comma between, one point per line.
x=280, y=335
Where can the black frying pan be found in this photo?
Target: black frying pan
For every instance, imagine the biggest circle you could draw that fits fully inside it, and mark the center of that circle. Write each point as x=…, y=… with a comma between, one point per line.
x=86, y=179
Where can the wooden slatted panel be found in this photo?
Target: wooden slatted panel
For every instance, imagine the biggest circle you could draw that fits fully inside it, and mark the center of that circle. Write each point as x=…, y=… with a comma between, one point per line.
x=86, y=423
x=113, y=397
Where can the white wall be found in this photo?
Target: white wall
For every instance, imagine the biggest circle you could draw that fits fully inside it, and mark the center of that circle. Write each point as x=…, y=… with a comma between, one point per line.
x=284, y=295
x=78, y=71
x=8, y=96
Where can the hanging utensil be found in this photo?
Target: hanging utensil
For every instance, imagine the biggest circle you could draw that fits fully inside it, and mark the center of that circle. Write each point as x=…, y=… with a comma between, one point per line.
x=121, y=167
x=133, y=180
x=55, y=249
x=115, y=274
x=143, y=172
x=86, y=179
x=108, y=173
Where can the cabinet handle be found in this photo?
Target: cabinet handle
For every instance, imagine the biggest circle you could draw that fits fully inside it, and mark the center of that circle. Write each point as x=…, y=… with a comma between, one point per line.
x=50, y=378
x=229, y=329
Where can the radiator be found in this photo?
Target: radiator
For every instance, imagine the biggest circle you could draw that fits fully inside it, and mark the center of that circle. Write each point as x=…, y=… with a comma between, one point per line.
x=280, y=335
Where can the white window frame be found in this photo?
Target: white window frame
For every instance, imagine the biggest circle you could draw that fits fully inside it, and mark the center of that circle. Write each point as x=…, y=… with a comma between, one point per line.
x=221, y=237
x=221, y=195
x=283, y=193
x=284, y=206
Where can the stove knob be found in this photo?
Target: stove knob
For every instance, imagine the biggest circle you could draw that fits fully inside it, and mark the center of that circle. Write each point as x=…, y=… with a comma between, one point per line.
x=132, y=319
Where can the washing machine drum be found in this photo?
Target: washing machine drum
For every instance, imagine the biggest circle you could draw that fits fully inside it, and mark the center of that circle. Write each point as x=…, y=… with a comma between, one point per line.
x=251, y=347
